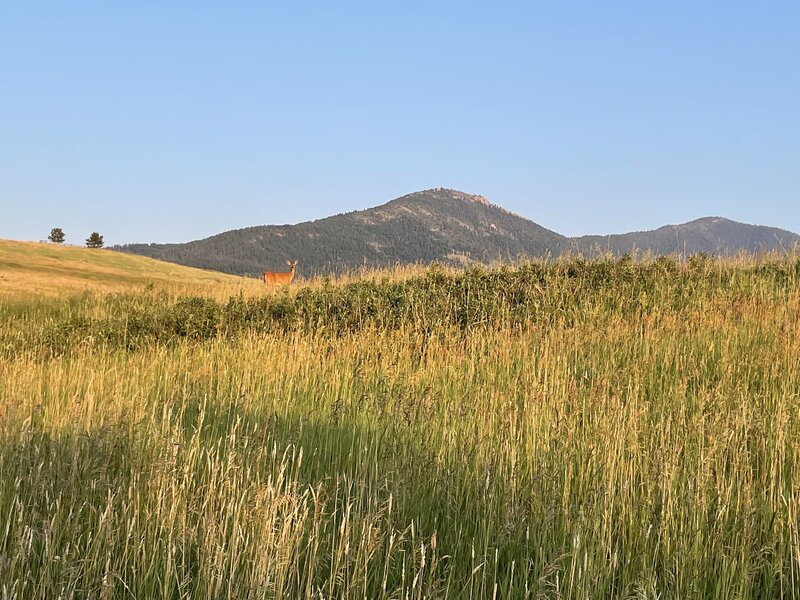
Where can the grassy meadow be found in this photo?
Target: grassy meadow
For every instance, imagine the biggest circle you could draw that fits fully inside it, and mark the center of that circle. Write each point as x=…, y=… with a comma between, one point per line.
x=570, y=429
x=32, y=271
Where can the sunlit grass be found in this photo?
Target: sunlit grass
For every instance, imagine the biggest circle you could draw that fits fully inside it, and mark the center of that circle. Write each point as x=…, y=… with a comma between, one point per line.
x=631, y=431
x=35, y=270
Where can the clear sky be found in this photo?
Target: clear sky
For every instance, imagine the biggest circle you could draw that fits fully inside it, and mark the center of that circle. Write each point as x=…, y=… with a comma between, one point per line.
x=171, y=121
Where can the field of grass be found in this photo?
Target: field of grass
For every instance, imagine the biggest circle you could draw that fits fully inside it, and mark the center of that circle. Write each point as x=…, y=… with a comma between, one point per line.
x=34, y=270
x=577, y=429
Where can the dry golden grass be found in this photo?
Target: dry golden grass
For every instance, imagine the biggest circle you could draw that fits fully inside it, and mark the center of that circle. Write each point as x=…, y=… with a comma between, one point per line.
x=34, y=270
x=635, y=435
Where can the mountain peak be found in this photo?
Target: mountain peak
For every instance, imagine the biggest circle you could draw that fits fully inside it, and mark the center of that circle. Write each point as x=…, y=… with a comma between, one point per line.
x=710, y=221
x=440, y=193
x=445, y=225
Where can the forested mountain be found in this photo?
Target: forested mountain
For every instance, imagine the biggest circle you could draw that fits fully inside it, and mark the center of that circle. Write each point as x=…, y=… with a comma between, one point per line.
x=444, y=225
x=712, y=235
x=440, y=225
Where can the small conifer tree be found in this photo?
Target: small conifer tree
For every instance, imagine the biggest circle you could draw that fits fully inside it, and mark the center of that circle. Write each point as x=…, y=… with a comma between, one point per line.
x=56, y=235
x=94, y=241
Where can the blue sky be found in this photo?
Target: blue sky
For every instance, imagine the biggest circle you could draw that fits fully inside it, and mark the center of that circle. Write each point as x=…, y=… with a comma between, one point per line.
x=172, y=121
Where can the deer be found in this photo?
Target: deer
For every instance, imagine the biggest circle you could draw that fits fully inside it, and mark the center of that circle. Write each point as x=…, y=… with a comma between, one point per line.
x=285, y=278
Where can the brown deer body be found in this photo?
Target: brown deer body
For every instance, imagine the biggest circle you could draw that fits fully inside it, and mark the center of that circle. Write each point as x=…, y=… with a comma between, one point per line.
x=281, y=278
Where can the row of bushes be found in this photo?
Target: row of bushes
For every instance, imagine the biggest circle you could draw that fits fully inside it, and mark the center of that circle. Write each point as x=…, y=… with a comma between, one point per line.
x=560, y=293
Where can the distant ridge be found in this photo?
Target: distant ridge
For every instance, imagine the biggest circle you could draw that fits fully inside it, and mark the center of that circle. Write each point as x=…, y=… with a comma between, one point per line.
x=443, y=225
x=712, y=235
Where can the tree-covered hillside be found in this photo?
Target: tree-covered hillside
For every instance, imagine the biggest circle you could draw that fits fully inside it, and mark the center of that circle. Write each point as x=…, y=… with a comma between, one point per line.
x=446, y=226
x=434, y=225
x=712, y=235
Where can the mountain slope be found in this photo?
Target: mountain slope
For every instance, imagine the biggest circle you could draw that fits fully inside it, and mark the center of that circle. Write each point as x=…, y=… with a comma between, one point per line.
x=712, y=235
x=440, y=225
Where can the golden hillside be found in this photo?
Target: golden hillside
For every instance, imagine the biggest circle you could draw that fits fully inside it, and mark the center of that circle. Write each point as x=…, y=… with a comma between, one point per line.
x=30, y=269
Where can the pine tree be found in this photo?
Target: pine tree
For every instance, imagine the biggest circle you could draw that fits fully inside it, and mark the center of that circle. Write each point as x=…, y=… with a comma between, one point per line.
x=94, y=241
x=56, y=235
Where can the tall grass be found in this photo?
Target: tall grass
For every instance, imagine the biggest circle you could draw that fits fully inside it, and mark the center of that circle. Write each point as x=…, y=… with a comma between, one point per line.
x=582, y=429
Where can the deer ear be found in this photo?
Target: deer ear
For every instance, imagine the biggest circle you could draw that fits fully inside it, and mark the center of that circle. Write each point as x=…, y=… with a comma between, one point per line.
x=288, y=262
